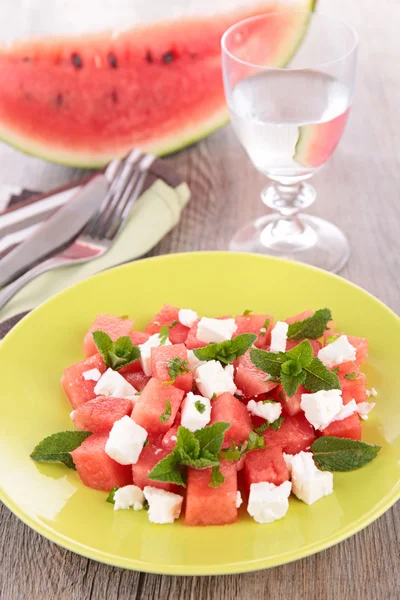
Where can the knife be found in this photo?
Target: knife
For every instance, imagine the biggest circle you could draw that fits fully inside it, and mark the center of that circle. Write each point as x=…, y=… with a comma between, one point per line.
x=58, y=230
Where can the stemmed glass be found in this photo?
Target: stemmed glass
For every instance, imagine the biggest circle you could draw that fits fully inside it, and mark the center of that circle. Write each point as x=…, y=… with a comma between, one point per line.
x=289, y=120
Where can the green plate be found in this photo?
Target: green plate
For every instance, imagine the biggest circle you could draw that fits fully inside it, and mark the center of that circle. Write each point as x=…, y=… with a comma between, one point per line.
x=52, y=500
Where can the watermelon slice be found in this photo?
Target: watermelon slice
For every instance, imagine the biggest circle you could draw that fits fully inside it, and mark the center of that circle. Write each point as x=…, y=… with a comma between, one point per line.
x=255, y=324
x=265, y=465
x=161, y=360
x=228, y=409
x=346, y=428
x=85, y=100
x=99, y=415
x=294, y=435
x=317, y=142
x=75, y=385
x=149, y=457
x=250, y=380
x=114, y=326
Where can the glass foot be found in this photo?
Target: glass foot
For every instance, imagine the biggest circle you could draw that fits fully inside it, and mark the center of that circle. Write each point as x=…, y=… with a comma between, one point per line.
x=307, y=239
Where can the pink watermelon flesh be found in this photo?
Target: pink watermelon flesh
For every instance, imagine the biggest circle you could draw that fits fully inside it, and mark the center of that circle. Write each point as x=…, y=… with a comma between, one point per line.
x=148, y=411
x=347, y=428
x=168, y=315
x=137, y=338
x=206, y=505
x=96, y=469
x=353, y=388
x=138, y=379
x=169, y=442
x=265, y=465
x=253, y=324
x=300, y=317
x=294, y=435
x=290, y=406
x=249, y=379
x=114, y=326
x=160, y=361
x=315, y=344
x=100, y=414
x=85, y=100
x=149, y=457
x=191, y=341
x=75, y=386
x=228, y=409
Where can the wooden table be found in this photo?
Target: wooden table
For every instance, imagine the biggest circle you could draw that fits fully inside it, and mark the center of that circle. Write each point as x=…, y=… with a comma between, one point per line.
x=358, y=190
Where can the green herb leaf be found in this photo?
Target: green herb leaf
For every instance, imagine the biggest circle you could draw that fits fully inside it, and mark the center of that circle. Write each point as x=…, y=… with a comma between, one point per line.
x=302, y=354
x=318, y=377
x=269, y=362
x=177, y=367
x=290, y=383
x=146, y=443
x=231, y=454
x=266, y=323
x=170, y=470
x=342, y=454
x=312, y=328
x=124, y=317
x=228, y=351
x=198, y=463
x=172, y=324
x=200, y=407
x=255, y=442
x=247, y=312
x=163, y=335
x=116, y=354
x=269, y=401
x=110, y=497
x=187, y=441
x=217, y=478
x=211, y=437
x=267, y=425
x=213, y=397
x=167, y=412
x=335, y=370
x=57, y=447
x=351, y=376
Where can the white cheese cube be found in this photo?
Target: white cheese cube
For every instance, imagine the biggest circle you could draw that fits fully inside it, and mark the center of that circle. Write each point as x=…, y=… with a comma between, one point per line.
x=346, y=411
x=127, y=496
x=322, y=407
x=111, y=383
x=337, y=352
x=363, y=408
x=279, y=337
x=145, y=352
x=212, y=378
x=193, y=361
x=125, y=442
x=288, y=460
x=239, y=499
x=187, y=317
x=215, y=330
x=371, y=392
x=309, y=483
x=195, y=417
x=271, y=411
x=164, y=507
x=268, y=502
x=91, y=375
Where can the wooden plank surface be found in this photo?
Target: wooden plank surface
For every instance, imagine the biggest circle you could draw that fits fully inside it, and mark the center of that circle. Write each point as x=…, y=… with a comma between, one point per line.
x=358, y=190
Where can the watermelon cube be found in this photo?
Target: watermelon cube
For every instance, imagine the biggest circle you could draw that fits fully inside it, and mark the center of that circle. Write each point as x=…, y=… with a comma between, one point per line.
x=99, y=415
x=75, y=386
x=191, y=341
x=300, y=317
x=290, y=406
x=168, y=442
x=249, y=379
x=160, y=359
x=228, y=409
x=265, y=465
x=359, y=343
x=138, y=379
x=96, y=469
x=114, y=326
x=315, y=344
x=253, y=324
x=353, y=388
x=294, y=435
x=167, y=315
x=346, y=428
x=150, y=410
x=207, y=505
x=137, y=338
x=149, y=457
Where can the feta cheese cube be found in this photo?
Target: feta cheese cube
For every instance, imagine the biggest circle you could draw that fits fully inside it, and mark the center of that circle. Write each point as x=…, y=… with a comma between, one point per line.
x=193, y=361
x=363, y=408
x=145, y=352
x=279, y=337
x=212, y=378
x=338, y=352
x=309, y=483
x=126, y=441
x=91, y=375
x=215, y=330
x=187, y=317
x=191, y=417
x=288, y=461
x=111, y=383
x=322, y=407
x=239, y=499
x=127, y=496
x=346, y=411
x=372, y=392
x=268, y=502
x=164, y=507
x=271, y=411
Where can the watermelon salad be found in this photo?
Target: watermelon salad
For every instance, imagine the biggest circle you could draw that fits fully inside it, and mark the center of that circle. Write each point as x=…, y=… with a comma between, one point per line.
x=203, y=415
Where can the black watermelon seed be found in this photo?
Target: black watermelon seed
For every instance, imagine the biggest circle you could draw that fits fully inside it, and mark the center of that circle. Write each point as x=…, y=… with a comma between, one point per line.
x=114, y=97
x=76, y=60
x=26, y=59
x=168, y=57
x=112, y=59
x=59, y=100
x=149, y=57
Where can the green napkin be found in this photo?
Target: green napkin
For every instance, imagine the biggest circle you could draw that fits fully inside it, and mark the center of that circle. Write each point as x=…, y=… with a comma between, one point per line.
x=156, y=212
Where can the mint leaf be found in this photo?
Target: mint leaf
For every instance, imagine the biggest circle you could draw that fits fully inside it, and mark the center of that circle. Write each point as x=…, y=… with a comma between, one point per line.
x=167, y=412
x=351, y=376
x=110, y=497
x=198, y=463
x=255, y=442
x=318, y=377
x=232, y=453
x=116, y=354
x=269, y=362
x=312, y=328
x=290, y=383
x=342, y=454
x=335, y=370
x=213, y=397
x=247, y=312
x=187, y=442
x=270, y=401
x=164, y=334
x=177, y=367
x=200, y=407
x=276, y=424
x=302, y=353
x=217, y=478
x=57, y=447
x=211, y=437
x=169, y=469
x=228, y=351
x=267, y=425
x=172, y=324
x=124, y=317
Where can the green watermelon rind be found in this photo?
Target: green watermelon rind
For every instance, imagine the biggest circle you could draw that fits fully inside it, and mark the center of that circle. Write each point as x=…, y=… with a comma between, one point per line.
x=163, y=147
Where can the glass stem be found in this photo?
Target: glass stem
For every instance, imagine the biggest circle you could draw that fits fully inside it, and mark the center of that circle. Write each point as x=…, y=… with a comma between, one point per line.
x=288, y=199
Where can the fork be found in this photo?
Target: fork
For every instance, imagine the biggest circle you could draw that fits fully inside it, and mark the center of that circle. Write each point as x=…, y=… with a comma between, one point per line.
x=126, y=179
